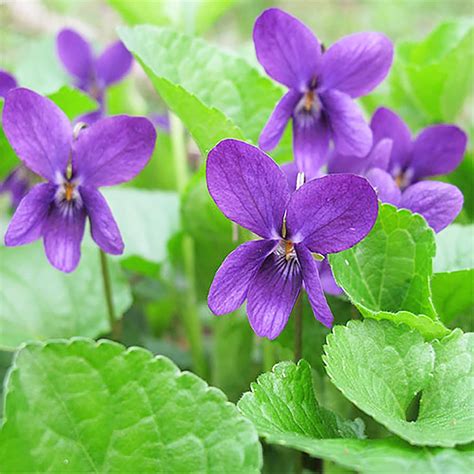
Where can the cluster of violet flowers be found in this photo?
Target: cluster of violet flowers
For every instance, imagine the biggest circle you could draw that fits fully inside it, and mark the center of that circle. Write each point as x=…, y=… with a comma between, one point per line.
x=295, y=209
x=300, y=213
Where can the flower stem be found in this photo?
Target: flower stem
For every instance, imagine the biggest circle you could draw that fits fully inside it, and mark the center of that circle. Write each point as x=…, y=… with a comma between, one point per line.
x=191, y=321
x=115, y=325
x=299, y=328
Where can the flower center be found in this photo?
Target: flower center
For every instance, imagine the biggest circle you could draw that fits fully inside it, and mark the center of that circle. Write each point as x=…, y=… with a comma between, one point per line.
x=308, y=101
x=68, y=191
x=286, y=249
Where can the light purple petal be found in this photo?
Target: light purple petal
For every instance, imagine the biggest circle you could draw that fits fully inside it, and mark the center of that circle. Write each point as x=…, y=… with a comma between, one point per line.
x=248, y=187
x=104, y=229
x=356, y=64
x=278, y=121
x=351, y=134
x=439, y=203
x=387, y=124
x=287, y=49
x=291, y=172
x=38, y=131
x=438, y=150
x=327, y=279
x=113, y=64
x=313, y=287
x=310, y=142
x=63, y=232
x=113, y=150
x=75, y=54
x=16, y=184
x=379, y=156
x=161, y=121
x=27, y=223
x=91, y=117
x=385, y=186
x=7, y=82
x=231, y=282
x=272, y=295
x=332, y=213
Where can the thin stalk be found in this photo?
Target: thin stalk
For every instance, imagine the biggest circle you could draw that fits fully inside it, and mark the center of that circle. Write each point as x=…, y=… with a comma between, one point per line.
x=268, y=355
x=115, y=325
x=298, y=328
x=191, y=321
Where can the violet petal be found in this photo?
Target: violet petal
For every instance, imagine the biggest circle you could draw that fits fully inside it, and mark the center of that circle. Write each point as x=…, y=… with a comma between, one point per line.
x=385, y=186
x=356, y=64
x=332, y=213
x=272, y=295
x=28, y=221
x=248, y=187
x=104, y=229
x=278, y=121
x=7, y=82
x=287, y=49
x=113, y=150
x=351, y=134
x=113, y=64
x=38, y=131
x=313, y=287
x=231, y=282
x=75, y=53
x=439, y=203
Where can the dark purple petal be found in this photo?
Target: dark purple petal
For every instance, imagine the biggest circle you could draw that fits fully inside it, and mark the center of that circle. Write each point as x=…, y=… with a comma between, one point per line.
x=351, y=134
x=332, y=213
x=63, y=232
x=272, y=295
x=439, y=203
x=313, y=286
x=113, y=64
x=248, y=187
x=104, y=229
x=75, y=54
x=7, y=82
x=327, y=279
x=387, y=124
x=291, y=172
x=356, y=63
x=231, y=282
x=346, y=163
x=287, y=49
x=385, y=186
x=16, y=184
x=277, y=122
x=28, y=221
x=438, y=150
x=310, y=143
x=38, y=131
x=113, y=150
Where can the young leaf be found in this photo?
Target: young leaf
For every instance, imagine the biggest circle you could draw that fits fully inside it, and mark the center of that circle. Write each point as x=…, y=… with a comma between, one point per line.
x=382, y=368
x=387, y=275
x=39, y=302
x=216, y=95
x=82, y=406
x=283, y=401
x=454, y=272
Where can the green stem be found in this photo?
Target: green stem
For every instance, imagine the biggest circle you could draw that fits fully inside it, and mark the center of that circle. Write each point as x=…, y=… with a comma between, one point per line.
x=115, y=325
x=191, y=321
x=268, y=356
x=298, y=328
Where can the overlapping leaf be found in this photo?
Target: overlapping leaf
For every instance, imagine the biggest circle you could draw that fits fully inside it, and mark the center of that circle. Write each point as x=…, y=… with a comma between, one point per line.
x=39, y=302
x=387, y=275
x=82, y=406
x=382, y=368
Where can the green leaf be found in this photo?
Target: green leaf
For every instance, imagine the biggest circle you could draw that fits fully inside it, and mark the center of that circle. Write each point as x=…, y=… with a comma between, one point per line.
x=82, y=406
x=283, y=401
x=197, y=16
x=40, y=302
x=387, y=275
x=216, y=95
x=73, y=102
x=146, y=219
x=38, y=67
x=8, y=159
x=463, y=177
x=382, y=368
x=454, y=272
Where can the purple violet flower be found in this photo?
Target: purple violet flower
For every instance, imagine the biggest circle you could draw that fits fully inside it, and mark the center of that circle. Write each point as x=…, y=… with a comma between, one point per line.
x=92, y=74
x=110, y=152
x=322, y=86
x=7, y=82
x=397, y=165
x=16, y=184
x=325, y=215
